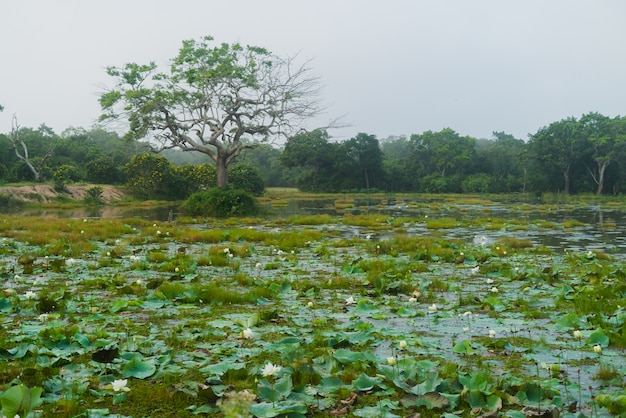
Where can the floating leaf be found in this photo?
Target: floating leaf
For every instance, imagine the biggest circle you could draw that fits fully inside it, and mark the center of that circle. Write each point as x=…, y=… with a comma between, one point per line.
x=138, y=369
x=348, y=356
x=118, y=305
x=365, y=382
x=463, y=347
x=406, y=312
x=20, y=399
x=329, y=384
x=5, y=305
x=284, y=385
x=363, y=306
x=598, y=337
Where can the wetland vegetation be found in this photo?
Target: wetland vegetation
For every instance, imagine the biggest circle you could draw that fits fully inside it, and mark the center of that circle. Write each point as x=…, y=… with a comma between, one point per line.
x=436, y=305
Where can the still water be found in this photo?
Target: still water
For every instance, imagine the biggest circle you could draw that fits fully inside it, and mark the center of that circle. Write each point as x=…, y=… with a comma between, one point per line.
x=604, y=228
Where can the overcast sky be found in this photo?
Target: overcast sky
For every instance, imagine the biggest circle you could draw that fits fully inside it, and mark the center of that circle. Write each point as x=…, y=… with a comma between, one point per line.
x=393, y=67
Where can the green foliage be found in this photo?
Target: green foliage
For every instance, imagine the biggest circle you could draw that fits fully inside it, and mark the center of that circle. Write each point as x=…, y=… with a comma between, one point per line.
x=94, y=194
x=151, y=176
x=221, y=202
x=20, y=399
x=248, y=178
x=64, y=175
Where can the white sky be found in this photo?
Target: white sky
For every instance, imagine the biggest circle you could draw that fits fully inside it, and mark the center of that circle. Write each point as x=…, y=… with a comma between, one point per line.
x=393, y=67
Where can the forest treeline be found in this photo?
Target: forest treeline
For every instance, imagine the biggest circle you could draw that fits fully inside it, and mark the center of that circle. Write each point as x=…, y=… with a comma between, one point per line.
x=573, y=155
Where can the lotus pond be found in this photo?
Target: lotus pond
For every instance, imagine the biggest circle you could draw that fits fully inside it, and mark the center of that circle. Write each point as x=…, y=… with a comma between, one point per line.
x=399, y=309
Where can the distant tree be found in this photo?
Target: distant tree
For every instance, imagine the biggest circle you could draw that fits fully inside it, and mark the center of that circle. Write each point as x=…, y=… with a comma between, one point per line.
x=318, y=158
x=364, y=159
x=439, y=159
x=503, y=158
x=442, y=152
x=266, y=159
x=150, y=176
x=22, y=152
x=559, y=146
x=606, y=139
x=212, y=99
x=397, y=164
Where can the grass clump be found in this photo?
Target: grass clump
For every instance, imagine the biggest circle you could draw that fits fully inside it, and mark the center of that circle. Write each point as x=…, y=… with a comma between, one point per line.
x=222, y=202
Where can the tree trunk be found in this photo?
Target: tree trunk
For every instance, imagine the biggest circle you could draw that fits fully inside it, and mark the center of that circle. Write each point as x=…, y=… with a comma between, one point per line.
x=367, y=179
x=566, y=182
x=221, y=171
x=601, y=168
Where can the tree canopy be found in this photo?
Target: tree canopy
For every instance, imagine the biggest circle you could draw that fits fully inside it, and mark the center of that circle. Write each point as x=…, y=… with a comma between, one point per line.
x=217, y=100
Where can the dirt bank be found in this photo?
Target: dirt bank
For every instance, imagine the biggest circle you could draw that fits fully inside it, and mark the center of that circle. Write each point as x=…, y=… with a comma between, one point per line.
x=45, y=193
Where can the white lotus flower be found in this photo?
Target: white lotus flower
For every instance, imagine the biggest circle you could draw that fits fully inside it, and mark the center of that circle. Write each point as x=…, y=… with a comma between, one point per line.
x=270, y=370
x=247, y=334
x=350, y=301
x=403, y=345
x=119, y=385
x=43, y=317
x=494, y=290
x=391, y=361
x=578, y=335
x=492, y=333
x=30, y=295
x=433, y=308
x=597, y=348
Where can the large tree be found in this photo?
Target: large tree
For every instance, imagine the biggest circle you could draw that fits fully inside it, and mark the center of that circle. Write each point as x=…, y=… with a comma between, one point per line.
x=364, y=155
x=35, y=165
x=217, y=100
x=560, y=146
x=606, y=139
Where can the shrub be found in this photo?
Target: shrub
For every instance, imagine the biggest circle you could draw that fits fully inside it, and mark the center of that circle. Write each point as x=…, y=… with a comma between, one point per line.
x=94, y=194
x=246, y=177
x=64, y=175
x=221, y=203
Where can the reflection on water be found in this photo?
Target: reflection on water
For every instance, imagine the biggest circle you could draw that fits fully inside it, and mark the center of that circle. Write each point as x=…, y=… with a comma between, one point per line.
x=604, y=229
x=156, y=213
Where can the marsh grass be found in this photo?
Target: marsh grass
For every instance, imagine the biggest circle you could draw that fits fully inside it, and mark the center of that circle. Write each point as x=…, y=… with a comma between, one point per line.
x=442, y=223
x=189, y=323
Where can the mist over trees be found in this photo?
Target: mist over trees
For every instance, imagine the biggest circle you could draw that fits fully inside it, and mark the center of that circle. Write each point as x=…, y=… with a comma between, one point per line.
x=573, y=155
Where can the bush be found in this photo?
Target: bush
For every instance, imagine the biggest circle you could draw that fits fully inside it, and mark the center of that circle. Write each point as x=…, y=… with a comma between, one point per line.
x=221, y=203
x=64, y=175
x=94, y=195
x=246, y=177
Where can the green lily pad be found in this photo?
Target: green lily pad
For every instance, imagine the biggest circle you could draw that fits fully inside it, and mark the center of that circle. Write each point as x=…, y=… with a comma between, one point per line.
x=365, y=382
x=138, y=369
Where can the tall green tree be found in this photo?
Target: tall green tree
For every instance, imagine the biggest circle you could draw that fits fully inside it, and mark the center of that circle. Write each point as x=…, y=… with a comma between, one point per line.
x=504, y=159
x=317, y=157
x=217, y=100
x=560, y=146
x=440, y=158
x=606, y=138
x=364, y=154
x=442, y=152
